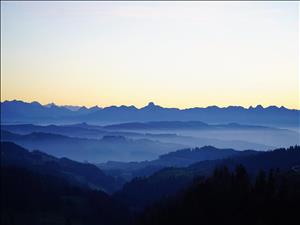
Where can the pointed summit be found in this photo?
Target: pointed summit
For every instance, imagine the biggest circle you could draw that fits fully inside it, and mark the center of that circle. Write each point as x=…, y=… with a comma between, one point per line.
x=151, y=105
x=259, y=107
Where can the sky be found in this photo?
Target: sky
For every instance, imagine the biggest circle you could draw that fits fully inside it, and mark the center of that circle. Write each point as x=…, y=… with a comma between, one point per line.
x=176, y=54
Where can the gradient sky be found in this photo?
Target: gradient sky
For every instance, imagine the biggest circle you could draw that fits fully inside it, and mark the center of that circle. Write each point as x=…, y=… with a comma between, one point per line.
x=177, y=54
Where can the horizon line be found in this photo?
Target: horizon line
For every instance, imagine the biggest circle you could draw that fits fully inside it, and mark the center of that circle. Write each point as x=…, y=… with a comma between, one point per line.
x=150, y=103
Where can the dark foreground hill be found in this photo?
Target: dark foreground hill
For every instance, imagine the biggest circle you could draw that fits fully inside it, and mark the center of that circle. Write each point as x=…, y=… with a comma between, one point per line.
x=40, y=189
x=31, y=198
x=78, y=174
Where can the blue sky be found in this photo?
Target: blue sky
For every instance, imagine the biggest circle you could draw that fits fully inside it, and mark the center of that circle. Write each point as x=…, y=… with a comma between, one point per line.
x=177, y=54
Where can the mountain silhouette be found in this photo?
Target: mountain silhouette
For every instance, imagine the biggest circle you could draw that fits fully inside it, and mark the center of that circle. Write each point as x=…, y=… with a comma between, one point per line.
x=23, y=112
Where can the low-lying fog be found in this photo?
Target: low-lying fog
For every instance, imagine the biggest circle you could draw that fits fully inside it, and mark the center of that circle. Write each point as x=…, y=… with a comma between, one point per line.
x=104, y=143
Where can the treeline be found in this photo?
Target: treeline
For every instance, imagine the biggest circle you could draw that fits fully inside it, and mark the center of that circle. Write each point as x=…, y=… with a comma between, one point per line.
x=169, y=181
x=232, y=198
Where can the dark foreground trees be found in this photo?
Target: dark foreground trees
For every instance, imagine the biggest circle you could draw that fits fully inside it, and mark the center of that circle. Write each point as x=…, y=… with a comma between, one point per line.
x=230, y=198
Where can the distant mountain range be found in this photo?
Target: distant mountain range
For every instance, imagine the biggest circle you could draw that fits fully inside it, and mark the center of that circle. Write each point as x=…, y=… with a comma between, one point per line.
x=22, y=112
x=179, y=125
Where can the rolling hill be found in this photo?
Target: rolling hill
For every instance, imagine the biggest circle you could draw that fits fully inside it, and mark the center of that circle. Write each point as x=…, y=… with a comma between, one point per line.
x=78, y=174
x=92, y=150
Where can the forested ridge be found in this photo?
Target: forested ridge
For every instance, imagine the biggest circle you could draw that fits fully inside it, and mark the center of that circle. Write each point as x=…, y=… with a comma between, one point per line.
x=231, y=194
